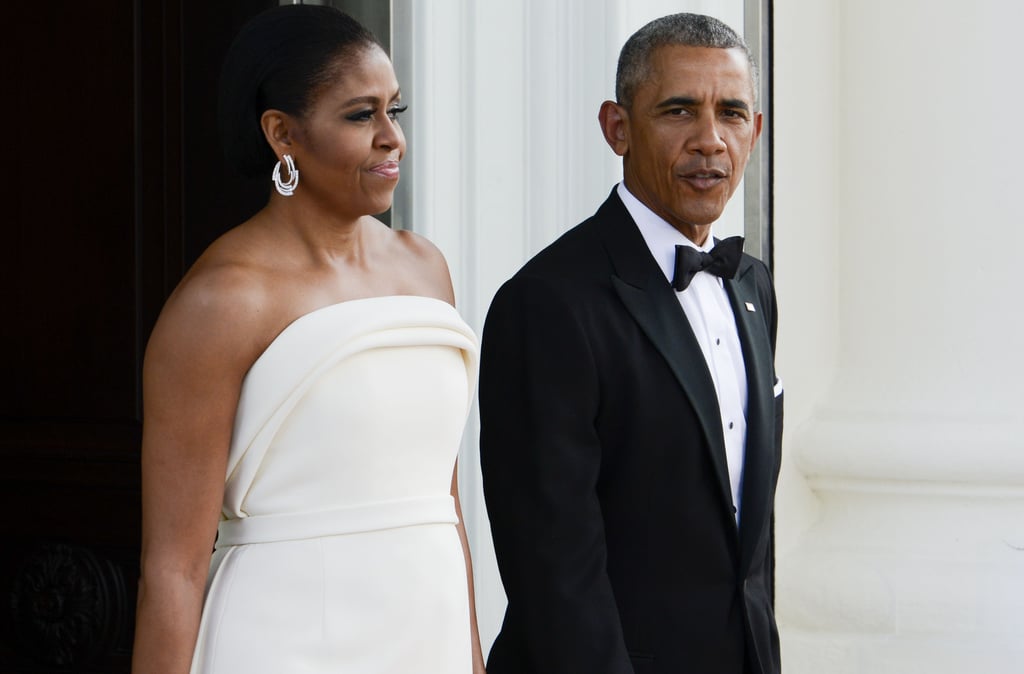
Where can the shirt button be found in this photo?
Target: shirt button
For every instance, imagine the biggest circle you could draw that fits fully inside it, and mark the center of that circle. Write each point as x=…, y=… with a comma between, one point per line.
x=717, y=341
x=730, y=425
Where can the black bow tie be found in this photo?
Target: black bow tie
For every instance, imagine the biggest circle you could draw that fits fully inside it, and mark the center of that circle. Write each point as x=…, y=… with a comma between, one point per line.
x=723, y=260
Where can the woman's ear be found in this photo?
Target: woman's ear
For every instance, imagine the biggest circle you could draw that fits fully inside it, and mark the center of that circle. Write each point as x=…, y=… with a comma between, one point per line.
x=278, y=129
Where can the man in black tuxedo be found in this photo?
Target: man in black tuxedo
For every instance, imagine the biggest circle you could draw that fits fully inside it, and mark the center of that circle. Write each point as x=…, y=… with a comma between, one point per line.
x=631, y=417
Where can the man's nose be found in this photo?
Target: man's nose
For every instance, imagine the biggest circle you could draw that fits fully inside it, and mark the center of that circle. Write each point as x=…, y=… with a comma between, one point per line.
x=707, y=138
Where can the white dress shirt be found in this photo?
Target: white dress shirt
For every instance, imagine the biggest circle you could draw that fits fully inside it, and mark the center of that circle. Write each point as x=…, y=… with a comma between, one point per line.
x=709, y=312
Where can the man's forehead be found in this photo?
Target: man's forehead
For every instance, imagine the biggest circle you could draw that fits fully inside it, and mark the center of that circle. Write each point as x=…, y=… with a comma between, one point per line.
x=699, y=72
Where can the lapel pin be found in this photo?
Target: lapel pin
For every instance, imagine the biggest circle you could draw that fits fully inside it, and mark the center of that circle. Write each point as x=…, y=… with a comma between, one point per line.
x=750, y=306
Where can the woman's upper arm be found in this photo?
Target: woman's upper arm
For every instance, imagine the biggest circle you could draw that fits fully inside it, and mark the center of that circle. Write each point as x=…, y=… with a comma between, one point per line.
x=198, y=354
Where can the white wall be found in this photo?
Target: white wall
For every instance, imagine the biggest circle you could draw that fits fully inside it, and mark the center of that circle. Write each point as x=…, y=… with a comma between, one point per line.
x=806, y=104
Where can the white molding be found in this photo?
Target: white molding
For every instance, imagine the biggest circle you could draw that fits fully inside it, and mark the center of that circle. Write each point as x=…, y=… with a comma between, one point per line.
x=911, y=448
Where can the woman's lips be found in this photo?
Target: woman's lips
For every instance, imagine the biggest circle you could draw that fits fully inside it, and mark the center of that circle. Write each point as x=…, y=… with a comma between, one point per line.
x=388, y=169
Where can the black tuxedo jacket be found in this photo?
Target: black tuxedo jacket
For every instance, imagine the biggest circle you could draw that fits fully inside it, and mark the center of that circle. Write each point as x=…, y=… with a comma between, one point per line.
x=605, y=473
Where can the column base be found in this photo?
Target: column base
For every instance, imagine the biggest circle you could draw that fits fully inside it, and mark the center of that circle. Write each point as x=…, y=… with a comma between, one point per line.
x=906, y=577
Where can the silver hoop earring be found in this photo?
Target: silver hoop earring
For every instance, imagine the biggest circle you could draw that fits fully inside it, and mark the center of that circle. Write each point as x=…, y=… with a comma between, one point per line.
x=286, y=189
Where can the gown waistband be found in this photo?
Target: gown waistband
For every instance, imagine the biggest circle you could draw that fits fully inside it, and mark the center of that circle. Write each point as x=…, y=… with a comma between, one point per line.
x=337, y=522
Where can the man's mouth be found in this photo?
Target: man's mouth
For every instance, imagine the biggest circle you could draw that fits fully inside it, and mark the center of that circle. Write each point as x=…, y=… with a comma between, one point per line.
x=704, y=179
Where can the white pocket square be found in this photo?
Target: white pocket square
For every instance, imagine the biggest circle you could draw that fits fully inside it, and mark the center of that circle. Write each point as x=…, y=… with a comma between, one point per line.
x=777, y=389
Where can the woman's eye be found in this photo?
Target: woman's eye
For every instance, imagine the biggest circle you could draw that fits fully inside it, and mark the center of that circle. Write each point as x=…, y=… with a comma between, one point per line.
x=395, y=111
x=361, y=116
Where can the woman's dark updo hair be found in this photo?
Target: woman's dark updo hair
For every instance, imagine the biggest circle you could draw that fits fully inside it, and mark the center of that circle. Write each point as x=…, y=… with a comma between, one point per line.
x=280, y=60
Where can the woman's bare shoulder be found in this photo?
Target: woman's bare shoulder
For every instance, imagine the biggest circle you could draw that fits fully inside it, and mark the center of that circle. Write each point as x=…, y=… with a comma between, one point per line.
x=427, y=264
x=224, y=305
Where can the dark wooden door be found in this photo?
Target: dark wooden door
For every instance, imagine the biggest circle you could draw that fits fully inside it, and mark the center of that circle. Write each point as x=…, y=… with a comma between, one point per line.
x=113, y=183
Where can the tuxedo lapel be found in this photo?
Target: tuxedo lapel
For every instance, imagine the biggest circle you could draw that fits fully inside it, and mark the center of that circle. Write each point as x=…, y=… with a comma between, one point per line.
x=759, y=451
x=652, y=303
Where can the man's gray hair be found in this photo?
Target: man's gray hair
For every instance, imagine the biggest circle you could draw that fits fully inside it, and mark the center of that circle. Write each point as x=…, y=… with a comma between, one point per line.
x=687, y=30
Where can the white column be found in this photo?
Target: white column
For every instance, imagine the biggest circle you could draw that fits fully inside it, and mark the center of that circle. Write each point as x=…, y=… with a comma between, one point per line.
x=505, y=154
x=915, y=450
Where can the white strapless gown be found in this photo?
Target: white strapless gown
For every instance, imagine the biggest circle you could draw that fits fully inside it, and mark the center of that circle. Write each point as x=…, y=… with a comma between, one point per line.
x=338, y=552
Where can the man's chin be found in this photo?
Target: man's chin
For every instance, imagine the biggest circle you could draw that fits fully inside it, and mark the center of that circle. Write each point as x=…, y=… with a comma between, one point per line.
x=699, y=218
x=699, y=210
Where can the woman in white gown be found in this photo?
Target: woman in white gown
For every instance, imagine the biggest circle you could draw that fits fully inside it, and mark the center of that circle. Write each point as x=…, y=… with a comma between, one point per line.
x=305, y=392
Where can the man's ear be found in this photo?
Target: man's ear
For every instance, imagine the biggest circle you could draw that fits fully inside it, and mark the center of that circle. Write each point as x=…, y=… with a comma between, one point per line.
x=278, y=129
x=758, y=123
x=615, y=125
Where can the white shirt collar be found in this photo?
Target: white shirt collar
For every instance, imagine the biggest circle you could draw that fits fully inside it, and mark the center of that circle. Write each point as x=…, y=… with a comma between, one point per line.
x=661, y=237
x=709, y=313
